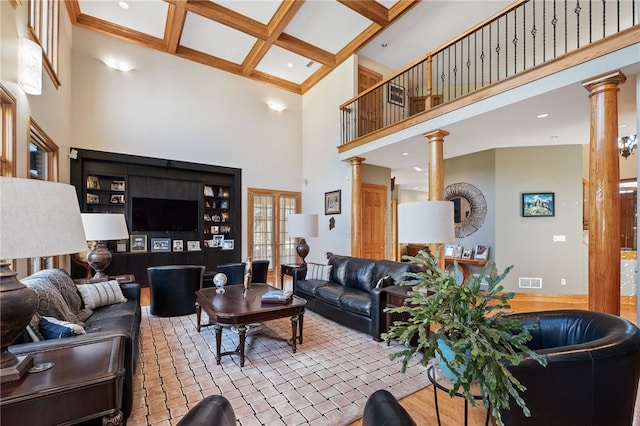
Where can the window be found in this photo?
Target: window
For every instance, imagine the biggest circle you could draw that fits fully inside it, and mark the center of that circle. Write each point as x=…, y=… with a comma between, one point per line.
x=8, y=120
x=44, y=25
x=43, y=165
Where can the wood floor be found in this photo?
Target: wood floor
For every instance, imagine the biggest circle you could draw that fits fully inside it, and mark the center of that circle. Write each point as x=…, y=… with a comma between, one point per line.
x=421, y=405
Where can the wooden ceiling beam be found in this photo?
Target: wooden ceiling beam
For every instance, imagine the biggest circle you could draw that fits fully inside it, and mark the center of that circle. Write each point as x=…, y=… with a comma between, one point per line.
x=305, y=49
x=275, y=81
x=174, y=26
x=121, y=32
x=228, y=17
x=276, y=26
x=371, y=10
x=73, y=10
x=209, y=60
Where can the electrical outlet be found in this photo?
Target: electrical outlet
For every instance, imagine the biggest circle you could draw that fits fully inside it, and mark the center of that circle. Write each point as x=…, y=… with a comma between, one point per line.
x=563, y=281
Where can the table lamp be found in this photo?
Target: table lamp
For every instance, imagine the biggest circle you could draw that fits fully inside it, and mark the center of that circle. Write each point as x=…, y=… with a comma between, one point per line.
x=426, y=222
x=103, y=227
x=302, y=225
x=38, y=219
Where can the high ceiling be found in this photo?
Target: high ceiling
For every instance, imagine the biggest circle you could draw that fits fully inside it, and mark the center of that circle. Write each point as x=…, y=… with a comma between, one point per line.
x=293, y=44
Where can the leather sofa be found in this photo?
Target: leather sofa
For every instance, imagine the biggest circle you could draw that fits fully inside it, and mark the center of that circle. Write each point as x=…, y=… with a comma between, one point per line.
x=354, y=295
x=592, y=373
x=56, y=287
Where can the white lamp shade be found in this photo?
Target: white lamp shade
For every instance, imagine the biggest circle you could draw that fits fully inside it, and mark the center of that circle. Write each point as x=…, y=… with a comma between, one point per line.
x=30, y=64
x=303, y=225
x=104, y=226
x=39, y=218
x=426, y=222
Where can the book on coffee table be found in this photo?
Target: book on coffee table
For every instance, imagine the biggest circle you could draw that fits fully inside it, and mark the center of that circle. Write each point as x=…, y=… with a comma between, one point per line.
x=277, y=296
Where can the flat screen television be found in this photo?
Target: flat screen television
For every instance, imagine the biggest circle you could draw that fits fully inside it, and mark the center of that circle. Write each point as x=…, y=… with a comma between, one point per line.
x=156, y=214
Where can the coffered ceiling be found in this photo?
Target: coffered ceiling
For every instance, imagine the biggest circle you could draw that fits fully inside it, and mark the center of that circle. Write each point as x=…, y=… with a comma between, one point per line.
x=288, y=43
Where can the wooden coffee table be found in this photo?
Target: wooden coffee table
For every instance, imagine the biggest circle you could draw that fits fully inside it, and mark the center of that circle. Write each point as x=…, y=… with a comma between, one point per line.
x=231, y=308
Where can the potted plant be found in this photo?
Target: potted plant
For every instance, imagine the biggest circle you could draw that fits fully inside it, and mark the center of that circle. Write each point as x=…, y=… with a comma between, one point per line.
x=469, y=320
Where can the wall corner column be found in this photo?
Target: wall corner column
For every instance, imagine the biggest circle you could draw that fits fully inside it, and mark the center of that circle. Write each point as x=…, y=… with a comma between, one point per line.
x=356, y=206
x=604, y=200
x=436, y=177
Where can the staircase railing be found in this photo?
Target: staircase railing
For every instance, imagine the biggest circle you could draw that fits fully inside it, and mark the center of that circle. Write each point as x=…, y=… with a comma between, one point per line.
x=522, y=37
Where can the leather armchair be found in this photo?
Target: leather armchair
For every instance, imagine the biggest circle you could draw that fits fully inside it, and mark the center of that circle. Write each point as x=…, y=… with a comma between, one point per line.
x=382, y=409
x=173, y=289
x=592, y=373
x=235, y=271
x=214, y=410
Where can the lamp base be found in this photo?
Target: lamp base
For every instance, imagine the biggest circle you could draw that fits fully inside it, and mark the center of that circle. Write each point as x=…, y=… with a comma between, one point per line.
x=16, y=371
x=99, y=258
x=17, y=306
x=303, y=250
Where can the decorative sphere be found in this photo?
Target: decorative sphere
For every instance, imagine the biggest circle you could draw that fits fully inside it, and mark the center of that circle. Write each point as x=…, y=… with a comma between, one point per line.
x=219, y=279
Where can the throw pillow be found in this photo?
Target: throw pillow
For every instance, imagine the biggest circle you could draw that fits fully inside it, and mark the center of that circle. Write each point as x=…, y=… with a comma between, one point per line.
x=316, y=271
x=101, y=294
x=52, y=328
x=50, y=300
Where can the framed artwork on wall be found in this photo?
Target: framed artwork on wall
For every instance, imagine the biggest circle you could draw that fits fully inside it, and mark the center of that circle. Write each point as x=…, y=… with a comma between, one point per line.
x=395, y=94
x=538, y=204
x=332, y=202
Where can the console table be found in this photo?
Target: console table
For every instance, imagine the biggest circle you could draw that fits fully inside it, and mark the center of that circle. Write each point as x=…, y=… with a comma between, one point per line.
x=289, y=270
x=85, y=383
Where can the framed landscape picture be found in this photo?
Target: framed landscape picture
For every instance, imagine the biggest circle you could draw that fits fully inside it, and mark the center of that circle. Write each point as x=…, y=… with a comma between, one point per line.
x=538, y=204
x=160, y=244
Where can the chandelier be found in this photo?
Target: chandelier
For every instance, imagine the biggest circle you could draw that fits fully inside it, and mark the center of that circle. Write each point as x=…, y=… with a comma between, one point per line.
x=627, y=144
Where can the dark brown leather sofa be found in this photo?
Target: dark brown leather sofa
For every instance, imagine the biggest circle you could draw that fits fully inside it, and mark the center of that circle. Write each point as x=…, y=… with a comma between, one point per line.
x=355, y=295
x=121, y=319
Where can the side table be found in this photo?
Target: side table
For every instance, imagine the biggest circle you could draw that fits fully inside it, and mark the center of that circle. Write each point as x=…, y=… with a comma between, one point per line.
x=289, y=270
x=441, y=383
x=86, y=382
x=396, y=297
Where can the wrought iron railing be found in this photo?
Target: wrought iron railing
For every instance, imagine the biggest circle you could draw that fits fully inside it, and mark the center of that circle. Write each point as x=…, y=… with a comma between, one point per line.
x=528, y=34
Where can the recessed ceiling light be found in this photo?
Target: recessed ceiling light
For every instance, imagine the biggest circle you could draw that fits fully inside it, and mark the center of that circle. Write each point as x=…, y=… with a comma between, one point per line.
x=123, y=5
x=417, y=169
x=384, y=44
x=543, y=115
x=405, y=153
x=117, y=65
x=289, y=65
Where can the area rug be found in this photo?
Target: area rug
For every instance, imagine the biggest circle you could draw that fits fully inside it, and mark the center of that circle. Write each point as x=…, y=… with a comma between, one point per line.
x=326, y=382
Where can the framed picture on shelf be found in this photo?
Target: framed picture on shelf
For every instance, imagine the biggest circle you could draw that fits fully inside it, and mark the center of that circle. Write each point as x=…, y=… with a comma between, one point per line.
x=93, y=182
x=215, y=229
x=121, y=246
x=482, y=252
x=93, y=199
x=332, y=202
x=138, y=243
x=117, y=185
x=448, y=250
x=217, y=240
x=208, y=191
x=228, y=244
x=193, y=246
x=538, y=204
x=116, y=199
x=395, y=94
x=466, y=253
x=160, y=244
x=457, y=251
x=178, y=245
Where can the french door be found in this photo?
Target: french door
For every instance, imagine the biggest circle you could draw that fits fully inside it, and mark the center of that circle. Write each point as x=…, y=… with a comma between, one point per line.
x=267, y=228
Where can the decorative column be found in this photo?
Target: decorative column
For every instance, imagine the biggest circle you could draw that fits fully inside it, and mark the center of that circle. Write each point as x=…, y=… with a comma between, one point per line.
x=604, y=200
x=436, y=174
x=356, y=205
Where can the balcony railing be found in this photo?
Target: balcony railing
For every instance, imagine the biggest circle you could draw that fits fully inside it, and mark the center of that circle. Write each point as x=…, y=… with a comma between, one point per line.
x=528, y=34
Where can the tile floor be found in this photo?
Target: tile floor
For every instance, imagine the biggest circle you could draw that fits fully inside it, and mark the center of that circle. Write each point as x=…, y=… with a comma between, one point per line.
x=326, y=382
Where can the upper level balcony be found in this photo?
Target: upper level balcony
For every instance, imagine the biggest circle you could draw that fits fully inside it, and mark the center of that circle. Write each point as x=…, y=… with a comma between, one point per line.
x=528, y=41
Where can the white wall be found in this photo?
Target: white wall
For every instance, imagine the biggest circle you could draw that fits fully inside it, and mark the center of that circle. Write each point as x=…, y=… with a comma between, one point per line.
x=321, y=170
x=180, y=110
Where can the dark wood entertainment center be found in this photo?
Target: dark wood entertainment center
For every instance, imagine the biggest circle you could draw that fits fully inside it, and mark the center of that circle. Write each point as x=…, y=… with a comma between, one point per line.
x=108, y=182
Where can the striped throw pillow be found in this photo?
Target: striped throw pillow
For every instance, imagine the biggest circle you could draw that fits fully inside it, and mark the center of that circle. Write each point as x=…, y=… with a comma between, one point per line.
x=315, y=271
x=101, y=294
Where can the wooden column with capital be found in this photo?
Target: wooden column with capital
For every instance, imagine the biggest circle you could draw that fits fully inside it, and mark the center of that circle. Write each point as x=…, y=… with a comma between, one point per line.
x=436, y=177
x=604, y=200
x=356, y=205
